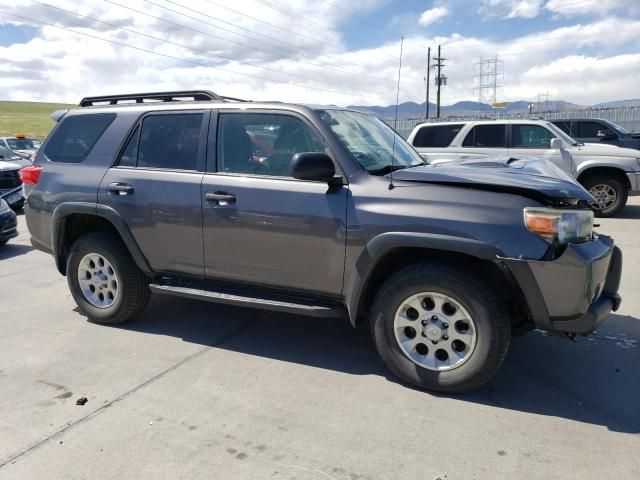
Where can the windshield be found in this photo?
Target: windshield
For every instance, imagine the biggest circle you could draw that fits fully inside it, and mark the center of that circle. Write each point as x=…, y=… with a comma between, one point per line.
x=560, y=134
x=23, y=144
x=374, y=145
x=7, y=154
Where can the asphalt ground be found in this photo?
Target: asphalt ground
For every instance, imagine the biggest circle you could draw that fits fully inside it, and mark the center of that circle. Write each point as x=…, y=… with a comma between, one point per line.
x=193, y=390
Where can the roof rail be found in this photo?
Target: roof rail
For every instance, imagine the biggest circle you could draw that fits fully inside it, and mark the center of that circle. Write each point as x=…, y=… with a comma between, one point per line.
x=196, y=95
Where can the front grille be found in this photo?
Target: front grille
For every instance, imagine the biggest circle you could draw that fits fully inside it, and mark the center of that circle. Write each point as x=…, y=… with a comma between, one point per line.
x=10, y=179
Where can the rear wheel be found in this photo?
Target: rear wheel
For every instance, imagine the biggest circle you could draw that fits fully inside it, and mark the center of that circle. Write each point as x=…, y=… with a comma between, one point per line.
x=610, y=193
x=439, y=327
x=104, y=280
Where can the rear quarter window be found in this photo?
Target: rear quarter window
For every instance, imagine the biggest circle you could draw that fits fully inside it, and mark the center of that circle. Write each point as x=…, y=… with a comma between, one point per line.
x=75, y=137
x=436, y=136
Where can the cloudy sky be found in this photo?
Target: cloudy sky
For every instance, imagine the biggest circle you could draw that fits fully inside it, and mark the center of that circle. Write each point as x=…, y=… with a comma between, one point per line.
x=320, y=51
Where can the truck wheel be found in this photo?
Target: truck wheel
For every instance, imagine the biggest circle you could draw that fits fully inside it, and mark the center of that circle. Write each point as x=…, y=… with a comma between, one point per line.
x=104, y=280
x=611, y=194
x=439, y=327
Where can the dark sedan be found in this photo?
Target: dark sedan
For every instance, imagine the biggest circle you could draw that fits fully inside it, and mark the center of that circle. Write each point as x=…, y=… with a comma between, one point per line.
x=8, y=223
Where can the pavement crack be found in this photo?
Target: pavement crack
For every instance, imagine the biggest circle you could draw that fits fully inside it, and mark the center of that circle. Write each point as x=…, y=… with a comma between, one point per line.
x=221, y=341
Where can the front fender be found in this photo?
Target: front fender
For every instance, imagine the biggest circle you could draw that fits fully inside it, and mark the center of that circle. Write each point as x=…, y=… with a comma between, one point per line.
x=623, y=164
x=379, y=246
x=63, y=210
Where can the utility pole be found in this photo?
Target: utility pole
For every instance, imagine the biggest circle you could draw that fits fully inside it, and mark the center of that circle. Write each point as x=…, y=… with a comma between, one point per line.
x=488, y=72
x=426, y=113
x=440, y=79
x=539, y=101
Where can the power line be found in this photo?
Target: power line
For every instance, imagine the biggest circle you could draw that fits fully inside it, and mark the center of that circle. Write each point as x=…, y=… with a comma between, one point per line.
x=310, y=22
x=239, y=27
x=359, y=17
x=320, y=65
x=126, y=45
x=197, y=50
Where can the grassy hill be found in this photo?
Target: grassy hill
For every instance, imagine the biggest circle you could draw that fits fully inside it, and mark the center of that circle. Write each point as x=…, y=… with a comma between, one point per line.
x=31, y=118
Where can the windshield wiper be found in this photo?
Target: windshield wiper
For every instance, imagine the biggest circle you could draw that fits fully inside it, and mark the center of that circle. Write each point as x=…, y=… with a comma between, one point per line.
x=386, y=169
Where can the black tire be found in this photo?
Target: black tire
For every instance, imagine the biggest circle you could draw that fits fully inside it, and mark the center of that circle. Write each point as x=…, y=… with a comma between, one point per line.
x=133, y=287
x=613, y=182
x=493, y=328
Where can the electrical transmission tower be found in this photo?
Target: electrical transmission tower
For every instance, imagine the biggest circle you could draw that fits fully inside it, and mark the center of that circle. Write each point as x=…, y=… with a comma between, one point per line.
x=489, y=70
x=440, y=79
x=543, y=102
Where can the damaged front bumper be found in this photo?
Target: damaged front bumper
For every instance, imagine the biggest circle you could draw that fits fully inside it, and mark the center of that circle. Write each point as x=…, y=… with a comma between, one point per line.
x=575, y=292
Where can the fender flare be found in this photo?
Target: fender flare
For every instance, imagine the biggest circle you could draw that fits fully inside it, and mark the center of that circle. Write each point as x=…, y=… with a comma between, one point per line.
x=384, y=243
x=63, y=210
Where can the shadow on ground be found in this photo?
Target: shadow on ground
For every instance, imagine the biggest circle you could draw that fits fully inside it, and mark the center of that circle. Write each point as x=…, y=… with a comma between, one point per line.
x=629, y=211
x=594, y=380
x=11, y=250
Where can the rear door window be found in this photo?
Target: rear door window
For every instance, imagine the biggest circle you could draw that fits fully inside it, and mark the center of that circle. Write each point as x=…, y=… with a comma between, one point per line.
x=589, y=129
x=530, y=136
x=75, y=137
x=436, y=136
x=486, y=136
x=165, y=141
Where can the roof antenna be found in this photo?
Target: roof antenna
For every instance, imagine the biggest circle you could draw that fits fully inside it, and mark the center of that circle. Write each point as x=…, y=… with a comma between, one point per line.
x=395, y=122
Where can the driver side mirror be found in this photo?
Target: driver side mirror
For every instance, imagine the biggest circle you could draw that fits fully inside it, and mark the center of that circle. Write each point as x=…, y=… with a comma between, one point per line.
x=555, y=144
x=606, y=134
x=312, y=166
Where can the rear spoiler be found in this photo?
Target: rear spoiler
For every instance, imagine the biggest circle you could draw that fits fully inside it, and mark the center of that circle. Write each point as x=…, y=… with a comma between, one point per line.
x=58, y=114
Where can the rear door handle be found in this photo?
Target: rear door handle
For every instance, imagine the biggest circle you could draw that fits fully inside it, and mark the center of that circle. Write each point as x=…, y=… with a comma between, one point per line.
x=221, y=198
x=120, y=188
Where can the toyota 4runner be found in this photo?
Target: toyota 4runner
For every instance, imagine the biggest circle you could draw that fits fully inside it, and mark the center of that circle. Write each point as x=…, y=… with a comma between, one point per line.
x=318, y=211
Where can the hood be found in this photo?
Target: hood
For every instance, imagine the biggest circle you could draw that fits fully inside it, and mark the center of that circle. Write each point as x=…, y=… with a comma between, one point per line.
x=8, y=166
x=603, y=149
x=529, y=177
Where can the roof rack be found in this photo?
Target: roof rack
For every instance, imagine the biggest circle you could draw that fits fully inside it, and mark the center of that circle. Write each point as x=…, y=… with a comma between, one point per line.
x=195, y=95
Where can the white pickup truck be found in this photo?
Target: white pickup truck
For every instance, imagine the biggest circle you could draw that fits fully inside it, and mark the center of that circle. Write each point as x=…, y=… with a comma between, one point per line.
x=610, y=173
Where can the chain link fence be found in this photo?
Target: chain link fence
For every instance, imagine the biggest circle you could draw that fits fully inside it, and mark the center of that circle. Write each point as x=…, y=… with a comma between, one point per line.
x=626, y=117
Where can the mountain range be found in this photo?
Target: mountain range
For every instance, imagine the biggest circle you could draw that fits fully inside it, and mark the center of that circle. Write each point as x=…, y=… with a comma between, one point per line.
x=415, y=110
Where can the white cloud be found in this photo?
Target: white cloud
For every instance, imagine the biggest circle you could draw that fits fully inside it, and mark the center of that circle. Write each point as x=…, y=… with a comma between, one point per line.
x=61, y=66
x=433, y=15
x=571, y=8
x=510, y=8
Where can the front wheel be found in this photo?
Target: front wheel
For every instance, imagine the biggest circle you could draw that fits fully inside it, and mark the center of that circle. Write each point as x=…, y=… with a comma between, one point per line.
x=610, y=193
x=104, y=280
x=439, y=327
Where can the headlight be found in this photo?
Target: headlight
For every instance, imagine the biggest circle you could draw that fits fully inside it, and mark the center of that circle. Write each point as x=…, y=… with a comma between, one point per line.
x=3, y=206
x=560, y=226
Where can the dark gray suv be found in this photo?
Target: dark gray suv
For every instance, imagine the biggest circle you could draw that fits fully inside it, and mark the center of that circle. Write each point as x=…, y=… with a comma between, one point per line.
x=317, y=211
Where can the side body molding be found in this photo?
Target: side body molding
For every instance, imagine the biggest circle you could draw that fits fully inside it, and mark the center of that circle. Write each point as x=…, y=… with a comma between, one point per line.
x=68, y=208
x=384, y=243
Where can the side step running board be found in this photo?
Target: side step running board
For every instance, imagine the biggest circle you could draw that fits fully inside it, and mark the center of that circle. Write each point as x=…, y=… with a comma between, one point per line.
x=252, y=302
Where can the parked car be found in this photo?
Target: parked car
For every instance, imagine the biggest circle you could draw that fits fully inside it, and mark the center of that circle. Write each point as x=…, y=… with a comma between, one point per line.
x=7, y=155
x=342, y=218
x=597, y=130
x=8, y=223
x=609, y=173
x=21, y=144
x=11, y=184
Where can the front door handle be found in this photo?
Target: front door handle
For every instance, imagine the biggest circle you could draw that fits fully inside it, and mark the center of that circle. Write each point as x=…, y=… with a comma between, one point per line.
x=120, y=188
x=221, y=198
